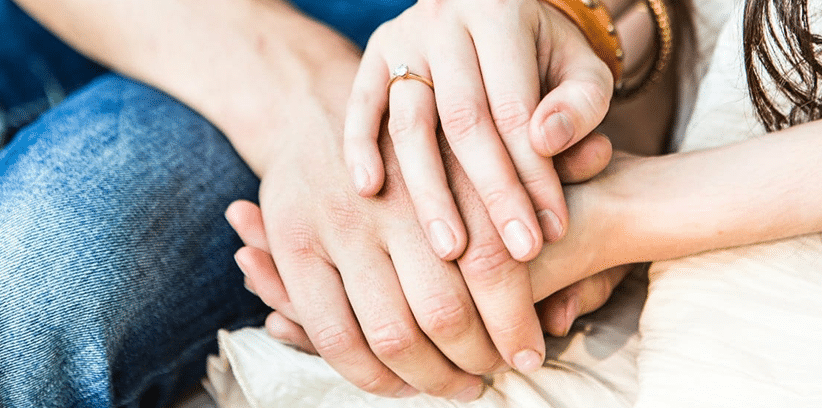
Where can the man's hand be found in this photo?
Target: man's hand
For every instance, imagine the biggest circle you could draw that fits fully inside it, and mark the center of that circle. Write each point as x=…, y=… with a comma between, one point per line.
x=376, y=302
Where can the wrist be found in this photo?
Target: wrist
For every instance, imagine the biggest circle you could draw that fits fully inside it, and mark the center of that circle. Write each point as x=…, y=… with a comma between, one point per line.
x=288, y=78
x=619, y=206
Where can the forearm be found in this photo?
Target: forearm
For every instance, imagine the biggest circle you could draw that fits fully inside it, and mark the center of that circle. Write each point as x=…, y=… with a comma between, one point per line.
x=759, y=190
x=248, y=66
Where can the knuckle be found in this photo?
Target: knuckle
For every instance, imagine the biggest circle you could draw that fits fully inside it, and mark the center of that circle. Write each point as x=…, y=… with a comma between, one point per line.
x=510, y=115
x=342, y=215
x=512, y=327
x=537, y=182
x=595, y=97
x=377, y=37
x=334, y=341
x=486, y=263
x=440, y=387
x=460, y=120
x=392, y=341
x=377, y=382
x=496, y=197
x=433, y=8
x=491, y=364
x=298, y=237
x=428, y=202
x=403, y=123
x=446, y=316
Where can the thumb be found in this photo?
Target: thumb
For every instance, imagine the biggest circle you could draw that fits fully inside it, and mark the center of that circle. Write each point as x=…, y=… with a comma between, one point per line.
x=584, y=160
x=581, y=86
x=558, y=311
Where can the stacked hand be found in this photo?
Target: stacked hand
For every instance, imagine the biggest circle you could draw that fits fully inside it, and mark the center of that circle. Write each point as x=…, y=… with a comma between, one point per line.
x=355, y=279
x=560, y=264
x=490, y=63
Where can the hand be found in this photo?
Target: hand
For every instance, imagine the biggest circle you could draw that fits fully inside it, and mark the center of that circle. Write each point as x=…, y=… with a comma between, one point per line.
x=372, y=297
x=490, y=62
x=589, y=250
x=578, y=164
x=556, y=313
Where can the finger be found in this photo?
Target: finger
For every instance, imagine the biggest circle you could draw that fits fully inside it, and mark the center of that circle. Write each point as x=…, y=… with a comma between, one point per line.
x=580, y=86
x=508, y=60
x=254, y=260
x=467, y=123
x=286, y=331
x=391, y=330
x=320, y=299
x=584, y=160
x=558, y=311
x=412, y=125
x=443, y=307
x=366, y=106
x=264, y=279
x=499, y=285
x=247, y=220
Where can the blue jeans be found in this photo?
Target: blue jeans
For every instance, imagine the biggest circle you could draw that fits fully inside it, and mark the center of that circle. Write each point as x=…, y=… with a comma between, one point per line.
x=116, y=263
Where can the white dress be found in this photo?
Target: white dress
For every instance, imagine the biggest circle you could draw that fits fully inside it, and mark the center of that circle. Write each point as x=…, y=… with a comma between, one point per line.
x=728, y=328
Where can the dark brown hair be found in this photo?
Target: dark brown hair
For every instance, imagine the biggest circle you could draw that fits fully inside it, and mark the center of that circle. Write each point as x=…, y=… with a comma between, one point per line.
x=780, y=48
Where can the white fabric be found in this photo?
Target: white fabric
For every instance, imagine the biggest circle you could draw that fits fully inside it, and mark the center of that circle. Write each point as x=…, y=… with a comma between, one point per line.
x=593, y=367
x=739, y=327
x=730, y=328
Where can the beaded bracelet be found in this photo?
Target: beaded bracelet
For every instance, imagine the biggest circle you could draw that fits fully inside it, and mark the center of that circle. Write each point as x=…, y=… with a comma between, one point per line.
x=663, y=57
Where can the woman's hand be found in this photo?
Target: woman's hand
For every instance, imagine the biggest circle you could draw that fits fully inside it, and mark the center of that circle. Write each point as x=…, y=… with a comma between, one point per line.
x=490, y=63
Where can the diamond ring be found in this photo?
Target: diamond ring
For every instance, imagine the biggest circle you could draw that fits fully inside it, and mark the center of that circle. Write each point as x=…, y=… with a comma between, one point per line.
x=402, y=72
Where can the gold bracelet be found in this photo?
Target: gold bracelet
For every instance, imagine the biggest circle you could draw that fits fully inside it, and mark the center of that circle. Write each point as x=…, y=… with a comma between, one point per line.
x=665, y=45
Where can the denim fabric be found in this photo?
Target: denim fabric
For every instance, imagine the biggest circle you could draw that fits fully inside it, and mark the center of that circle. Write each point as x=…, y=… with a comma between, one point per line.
x=116, y=266
x=37, y=70
x=356, y=19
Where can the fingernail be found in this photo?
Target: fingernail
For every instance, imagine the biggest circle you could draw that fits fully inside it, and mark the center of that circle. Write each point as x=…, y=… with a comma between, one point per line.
x=248, y=288
x=571, y=311
x=470, y=394
x=240, y=264
x=551, y=227
x=518, y=239
x=442, y=238
x=557, y=131
x=360, y=178
x=527, y=361
x=406, y=391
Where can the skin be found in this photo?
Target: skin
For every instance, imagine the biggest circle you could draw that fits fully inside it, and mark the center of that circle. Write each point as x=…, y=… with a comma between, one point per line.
x=575, y=165
x=639, y=209
x=504, y=72
x=294, y=78
x=490, y=62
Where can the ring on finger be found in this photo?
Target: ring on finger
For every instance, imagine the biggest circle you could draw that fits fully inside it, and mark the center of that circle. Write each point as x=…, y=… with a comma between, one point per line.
x=402, y=72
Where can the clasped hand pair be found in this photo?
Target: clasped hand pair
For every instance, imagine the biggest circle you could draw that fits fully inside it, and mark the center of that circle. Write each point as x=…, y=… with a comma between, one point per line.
x=355, y=277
